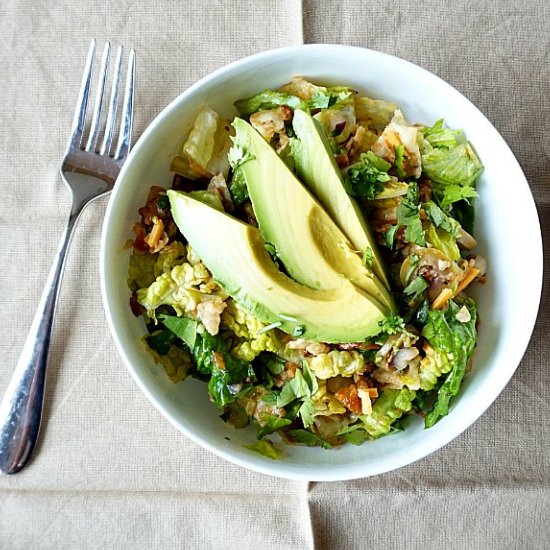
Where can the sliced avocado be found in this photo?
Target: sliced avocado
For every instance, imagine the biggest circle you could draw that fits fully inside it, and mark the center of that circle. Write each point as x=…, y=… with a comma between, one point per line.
x=317, y=168
x=313, y=249
x=235, y=254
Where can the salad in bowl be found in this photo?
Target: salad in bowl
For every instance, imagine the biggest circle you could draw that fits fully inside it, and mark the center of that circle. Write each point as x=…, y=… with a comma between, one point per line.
x=311, y=262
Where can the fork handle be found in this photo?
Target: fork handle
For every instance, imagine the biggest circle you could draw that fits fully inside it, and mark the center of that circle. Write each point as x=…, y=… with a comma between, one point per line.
x=21, y=407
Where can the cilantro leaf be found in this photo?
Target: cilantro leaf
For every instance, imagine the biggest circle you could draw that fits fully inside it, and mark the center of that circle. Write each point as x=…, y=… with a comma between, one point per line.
x=269, y=423
x=238, y=188
x=449, y=194
x=408, y=215
x=364, y=179
x=392, y=324
x=441, y=219
x=308, y=438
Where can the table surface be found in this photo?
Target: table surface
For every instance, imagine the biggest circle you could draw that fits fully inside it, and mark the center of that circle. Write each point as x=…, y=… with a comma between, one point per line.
x=110, y=472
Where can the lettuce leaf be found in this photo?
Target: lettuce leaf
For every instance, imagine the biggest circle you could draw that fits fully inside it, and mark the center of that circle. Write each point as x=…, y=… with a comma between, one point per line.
x=325, y=98
x=374, y=114
x=387, y=409
x=208, y=144
x=141, y=270
x=447, y=334
x=437, y=136
x=269, y=99
x=458, y=165
x=443, y=241
x=266, y=448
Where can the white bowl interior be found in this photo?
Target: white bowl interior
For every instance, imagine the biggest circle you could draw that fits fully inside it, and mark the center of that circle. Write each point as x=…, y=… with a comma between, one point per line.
x=507, y=314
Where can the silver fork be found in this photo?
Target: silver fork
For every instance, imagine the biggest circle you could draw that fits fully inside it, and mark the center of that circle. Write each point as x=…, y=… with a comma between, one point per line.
x=89, y=174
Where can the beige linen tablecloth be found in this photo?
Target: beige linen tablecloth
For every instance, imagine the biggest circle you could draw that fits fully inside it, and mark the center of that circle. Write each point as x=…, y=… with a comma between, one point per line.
x=110, y=472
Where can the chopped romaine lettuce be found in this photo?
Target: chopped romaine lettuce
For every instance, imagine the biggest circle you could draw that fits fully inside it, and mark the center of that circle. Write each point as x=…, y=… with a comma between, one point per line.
x=141, y=270
x=437, y=136
x=374, y=114
x=458, y=165
x=207, y=145
x=338, y=121
x=269, y=99
x=317, y=97
x=446, y=333
x=388, y=407
x=265, y=448
x=443, y=241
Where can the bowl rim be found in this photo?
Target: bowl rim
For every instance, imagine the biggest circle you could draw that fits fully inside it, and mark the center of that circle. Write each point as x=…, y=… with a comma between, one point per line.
x=324, y=472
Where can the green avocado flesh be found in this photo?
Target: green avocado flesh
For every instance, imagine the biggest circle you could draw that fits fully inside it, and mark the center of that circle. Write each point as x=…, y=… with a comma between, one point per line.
x=313, y=249
x=317, y=168
x=235, y=254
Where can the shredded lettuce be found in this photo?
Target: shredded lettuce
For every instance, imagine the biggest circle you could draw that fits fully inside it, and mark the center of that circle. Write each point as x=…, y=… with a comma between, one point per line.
x=317, y=97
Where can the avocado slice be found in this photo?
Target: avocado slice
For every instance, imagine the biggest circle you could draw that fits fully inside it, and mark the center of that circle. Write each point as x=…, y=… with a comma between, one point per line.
x=235, y=253
x=317, y=168
x=313, y=249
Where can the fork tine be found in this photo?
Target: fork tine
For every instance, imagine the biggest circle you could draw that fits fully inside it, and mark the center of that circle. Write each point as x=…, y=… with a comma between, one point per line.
x=79, y=117
x=94, y=129
x=111, y=113
x=125, y=136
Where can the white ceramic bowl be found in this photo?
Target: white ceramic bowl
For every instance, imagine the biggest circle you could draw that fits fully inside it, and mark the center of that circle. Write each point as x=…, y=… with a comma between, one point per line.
x=508, y=304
